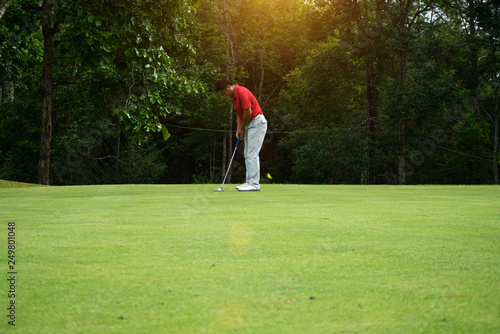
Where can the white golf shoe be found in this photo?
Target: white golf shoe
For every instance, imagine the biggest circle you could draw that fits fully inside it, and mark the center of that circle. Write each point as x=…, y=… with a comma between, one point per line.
x=248, y=187
x=243, y=185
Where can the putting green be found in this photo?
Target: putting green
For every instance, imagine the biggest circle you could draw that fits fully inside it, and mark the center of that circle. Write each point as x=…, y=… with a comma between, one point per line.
x=288, y=259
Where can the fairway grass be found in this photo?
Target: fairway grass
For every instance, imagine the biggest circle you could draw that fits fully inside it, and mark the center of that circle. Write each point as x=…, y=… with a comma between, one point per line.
x=288, y=259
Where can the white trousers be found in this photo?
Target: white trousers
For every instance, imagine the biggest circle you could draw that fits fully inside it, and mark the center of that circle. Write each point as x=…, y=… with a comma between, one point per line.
x=255, y=131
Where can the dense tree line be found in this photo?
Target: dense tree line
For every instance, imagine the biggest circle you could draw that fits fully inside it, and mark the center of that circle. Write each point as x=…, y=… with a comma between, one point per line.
x=361, y=92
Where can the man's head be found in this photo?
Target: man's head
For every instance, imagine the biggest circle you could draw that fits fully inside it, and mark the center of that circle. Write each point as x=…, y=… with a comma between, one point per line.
x=224, y=87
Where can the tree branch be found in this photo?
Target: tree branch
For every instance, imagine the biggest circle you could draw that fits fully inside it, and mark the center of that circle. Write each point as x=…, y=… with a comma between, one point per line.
x=4, y=6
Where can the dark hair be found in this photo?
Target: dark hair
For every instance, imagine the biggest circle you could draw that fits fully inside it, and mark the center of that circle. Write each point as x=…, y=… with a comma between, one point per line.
x=222, y=84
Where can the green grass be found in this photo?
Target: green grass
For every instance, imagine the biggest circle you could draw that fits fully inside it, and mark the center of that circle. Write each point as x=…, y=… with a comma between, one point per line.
x=14, y=184
x=290, y=259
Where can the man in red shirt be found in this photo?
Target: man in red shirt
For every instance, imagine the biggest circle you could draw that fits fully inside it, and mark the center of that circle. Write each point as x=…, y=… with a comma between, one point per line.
x=251, y=126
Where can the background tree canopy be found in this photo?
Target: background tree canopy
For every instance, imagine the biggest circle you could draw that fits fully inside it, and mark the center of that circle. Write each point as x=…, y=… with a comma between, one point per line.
x=368, y=91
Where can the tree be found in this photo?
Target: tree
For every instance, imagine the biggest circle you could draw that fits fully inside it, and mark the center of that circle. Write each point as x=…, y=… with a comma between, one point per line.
x=404, y=15
x=489, y=23
x=143, y=41
x=149, y=56
x=359, y=86
x=220, y=46
x=49, y=30
x=257, y=56
x=362, y=27
x=473, y=25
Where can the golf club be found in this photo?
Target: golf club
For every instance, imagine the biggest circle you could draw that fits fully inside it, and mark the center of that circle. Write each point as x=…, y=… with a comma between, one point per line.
x=230, y=162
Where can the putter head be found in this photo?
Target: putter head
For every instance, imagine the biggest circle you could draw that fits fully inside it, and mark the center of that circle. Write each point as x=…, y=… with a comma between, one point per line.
x=219, y=190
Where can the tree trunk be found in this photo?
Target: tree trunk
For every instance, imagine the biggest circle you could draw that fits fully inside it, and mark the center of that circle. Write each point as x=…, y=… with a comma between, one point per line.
x=3, y=6
x=401, y=77
x=401, y=154
x=495, y=126
x=48, y=32
x=118, y=141
x=495, y=149
x=7, y=92
x=262, y=70
x=230, y=143
x=372, y=111
x=474, y=59
x=261, y=84
x=225, y=25
x=224, y=153
x=496, y=107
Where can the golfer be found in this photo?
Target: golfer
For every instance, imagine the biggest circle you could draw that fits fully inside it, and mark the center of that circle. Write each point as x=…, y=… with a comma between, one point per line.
x=251, y=126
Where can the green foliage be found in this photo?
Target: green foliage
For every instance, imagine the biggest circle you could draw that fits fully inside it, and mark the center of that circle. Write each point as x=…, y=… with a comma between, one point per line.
x=473, y=163
x=255, y=56
x=325, y=91
x=19, y=140
x=90, y=145
x=427, y=95
x=89, y=160
x=143, y=43
x=202, y=178
x=336, y=155
x=20, y=48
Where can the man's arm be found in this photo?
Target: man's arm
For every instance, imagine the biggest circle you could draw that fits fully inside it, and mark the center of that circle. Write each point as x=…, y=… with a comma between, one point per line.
x=242, y=123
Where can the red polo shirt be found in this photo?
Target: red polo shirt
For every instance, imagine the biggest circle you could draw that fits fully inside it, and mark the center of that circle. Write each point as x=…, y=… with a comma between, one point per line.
x=244, y=99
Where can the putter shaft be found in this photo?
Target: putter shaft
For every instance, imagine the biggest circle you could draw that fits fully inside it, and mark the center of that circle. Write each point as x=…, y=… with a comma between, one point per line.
x=230, y=162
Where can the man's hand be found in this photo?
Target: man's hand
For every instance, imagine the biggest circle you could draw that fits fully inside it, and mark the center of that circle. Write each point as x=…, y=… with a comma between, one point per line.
x=240, y=132
x=247, y=114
